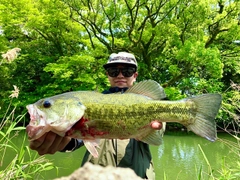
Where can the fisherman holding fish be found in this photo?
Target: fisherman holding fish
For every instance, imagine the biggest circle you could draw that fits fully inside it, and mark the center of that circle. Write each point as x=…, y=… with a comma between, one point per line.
x=118, y=125
x=121, y=70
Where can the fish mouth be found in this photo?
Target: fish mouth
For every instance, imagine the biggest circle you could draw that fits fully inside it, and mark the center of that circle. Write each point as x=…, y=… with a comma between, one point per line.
x=37, y=117
x=37, y=125
x=40, y=123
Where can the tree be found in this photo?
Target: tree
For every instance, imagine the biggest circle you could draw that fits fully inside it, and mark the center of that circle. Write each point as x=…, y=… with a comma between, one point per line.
x=184, y=44
x=190, y=47
x=48, y=38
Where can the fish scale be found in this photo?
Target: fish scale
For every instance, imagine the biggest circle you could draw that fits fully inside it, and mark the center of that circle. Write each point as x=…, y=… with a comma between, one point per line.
x=136, y=116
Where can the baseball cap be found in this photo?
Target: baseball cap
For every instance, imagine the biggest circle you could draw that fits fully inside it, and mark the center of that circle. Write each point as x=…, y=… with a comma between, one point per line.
x=121, y=58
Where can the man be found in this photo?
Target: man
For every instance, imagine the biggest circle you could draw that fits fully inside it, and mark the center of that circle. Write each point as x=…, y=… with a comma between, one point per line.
x=121, y=70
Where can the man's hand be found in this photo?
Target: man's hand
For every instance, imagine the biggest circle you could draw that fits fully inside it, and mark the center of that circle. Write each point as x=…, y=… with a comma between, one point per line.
x=49, y=143
x=156, y=125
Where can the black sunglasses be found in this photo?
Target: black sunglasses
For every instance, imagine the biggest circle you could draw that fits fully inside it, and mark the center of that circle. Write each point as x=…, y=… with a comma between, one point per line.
x=126, y=71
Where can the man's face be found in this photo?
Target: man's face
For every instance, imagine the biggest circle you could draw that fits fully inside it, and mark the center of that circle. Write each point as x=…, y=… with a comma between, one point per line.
x=120, y=80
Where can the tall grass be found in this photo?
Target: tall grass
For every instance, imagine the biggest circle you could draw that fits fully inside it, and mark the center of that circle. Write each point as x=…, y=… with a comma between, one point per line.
x=228, y=172
x=25, y=164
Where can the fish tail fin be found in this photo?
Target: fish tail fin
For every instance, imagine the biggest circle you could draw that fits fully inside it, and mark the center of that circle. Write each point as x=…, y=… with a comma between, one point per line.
x=91, y=147
x=207, y=108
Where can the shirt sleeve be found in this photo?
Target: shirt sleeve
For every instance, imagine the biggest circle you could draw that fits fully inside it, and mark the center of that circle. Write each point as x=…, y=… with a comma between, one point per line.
x=73, y=145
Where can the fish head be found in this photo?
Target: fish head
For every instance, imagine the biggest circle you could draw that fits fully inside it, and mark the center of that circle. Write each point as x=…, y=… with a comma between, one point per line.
x=57, y=114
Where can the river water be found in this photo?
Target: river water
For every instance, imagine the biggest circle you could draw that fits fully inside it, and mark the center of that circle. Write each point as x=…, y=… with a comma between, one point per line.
x=181, y=156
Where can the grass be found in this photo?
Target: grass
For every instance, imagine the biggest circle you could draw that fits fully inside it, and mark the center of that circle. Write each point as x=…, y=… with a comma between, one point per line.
x=24, y=164
x=226, y=172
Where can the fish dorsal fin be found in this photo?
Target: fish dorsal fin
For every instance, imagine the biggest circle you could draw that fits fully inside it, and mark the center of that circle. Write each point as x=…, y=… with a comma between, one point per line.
x=149, y=88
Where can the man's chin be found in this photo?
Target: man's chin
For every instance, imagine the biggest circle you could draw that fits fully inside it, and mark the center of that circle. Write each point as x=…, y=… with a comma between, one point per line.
x=121, y=84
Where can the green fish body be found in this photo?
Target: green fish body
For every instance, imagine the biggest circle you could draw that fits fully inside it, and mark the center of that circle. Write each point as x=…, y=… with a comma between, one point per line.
x=90, y=115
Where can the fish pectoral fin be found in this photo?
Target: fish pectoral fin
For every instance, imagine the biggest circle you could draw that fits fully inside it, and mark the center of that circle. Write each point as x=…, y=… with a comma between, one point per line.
x=155, y=137
x=91, y=146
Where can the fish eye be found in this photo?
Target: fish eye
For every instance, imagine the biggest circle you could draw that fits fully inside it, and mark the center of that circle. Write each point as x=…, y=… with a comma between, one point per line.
x=46, y=104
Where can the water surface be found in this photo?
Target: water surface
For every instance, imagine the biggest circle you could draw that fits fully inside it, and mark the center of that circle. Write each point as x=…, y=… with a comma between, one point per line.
x=179, y=157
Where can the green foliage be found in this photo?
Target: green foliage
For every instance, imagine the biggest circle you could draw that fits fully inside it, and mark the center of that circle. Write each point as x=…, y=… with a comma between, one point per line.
x=24, y=164
x=81, y=74
x=174, y=93
x=229, y=114
x=226, y=172
x=190, y=47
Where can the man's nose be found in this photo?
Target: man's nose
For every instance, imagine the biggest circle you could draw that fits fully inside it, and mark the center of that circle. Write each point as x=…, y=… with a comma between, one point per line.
x=120, y=75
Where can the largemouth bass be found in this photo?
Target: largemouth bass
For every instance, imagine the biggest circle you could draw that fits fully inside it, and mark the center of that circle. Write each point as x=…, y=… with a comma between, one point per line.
x=90, y=115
